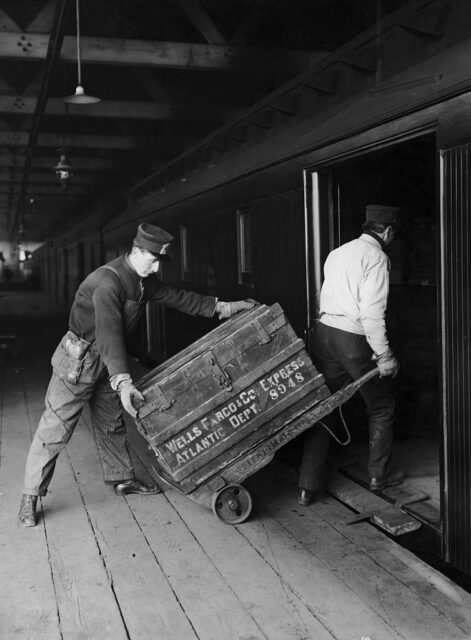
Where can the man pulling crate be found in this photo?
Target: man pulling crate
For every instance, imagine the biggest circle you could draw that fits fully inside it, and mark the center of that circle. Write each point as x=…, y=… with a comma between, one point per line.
x=351, y=339
x=90, y=364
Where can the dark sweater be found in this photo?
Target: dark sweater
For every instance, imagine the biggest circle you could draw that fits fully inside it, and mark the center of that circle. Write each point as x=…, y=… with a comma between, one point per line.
x=100, y=313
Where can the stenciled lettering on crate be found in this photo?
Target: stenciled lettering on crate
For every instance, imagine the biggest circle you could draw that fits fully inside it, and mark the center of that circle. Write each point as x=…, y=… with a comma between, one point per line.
x=225, y=395
x=240, y=410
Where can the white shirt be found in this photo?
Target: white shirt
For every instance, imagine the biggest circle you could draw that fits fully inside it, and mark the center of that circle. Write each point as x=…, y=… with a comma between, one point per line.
x=355, y=291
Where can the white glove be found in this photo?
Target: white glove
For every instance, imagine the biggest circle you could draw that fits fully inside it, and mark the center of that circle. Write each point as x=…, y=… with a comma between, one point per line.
x=227, y=309
x=127, y=393
x=387, y=364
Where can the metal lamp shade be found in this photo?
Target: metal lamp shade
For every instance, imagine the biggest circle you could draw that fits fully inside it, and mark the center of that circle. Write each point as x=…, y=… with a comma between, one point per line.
x=80, y=97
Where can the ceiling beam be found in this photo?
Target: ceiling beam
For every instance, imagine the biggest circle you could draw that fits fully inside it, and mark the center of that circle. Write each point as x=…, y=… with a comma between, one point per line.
x=44, y=19
x=86, y=141
x=161, y=110
x=78, y=163
x=182, y=55
x=6, y=178
x=6, y=23
x=202, y=21
x=48, y=190
x=16, y=162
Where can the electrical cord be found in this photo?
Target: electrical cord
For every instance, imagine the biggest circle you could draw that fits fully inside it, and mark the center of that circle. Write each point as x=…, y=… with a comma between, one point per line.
x=349, y=438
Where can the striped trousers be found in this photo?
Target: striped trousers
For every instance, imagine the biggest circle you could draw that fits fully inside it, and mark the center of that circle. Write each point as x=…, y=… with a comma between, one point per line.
x=64, y=404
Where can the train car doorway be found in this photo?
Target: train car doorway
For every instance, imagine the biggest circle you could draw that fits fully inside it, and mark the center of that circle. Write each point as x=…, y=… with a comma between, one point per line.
x=403, y=175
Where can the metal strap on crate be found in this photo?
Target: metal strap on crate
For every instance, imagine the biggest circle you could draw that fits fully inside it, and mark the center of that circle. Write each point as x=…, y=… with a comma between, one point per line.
x=222, y=377
x=265, y=337
x=161, y=402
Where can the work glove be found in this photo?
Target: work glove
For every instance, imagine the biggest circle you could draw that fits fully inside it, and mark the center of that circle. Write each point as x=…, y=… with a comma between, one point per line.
x=387, y=364
x=127, y=393
x=227, y=309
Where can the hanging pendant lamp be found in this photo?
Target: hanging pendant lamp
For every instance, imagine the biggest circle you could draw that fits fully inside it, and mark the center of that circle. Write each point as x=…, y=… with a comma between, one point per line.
x=79, y=97
x=63, y=169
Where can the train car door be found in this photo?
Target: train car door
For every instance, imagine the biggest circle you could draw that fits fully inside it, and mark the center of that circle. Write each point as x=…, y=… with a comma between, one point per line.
x=336, y=195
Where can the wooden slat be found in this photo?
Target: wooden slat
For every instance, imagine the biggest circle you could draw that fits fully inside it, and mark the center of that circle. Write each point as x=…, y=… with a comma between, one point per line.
x=253, y=453
x=11, y=177
x=426, y=511
x=280, y=612
x=16, y=162
x=202, y=595
x=303, y=577
x=254, y=443
x=86, y=141
x=142, y=603
x=240, y=356
x=192, y=415
x=193, y=403
x=28, y=607
x=392, y=519
x=147, y=603
x=271, y=318
x=156, y=110
x=158, y=54
x=80, y=579
x=418, y=601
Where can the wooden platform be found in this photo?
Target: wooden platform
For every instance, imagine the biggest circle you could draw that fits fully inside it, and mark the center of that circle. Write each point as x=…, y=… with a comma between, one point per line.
x=100, y=567
x=419, y=494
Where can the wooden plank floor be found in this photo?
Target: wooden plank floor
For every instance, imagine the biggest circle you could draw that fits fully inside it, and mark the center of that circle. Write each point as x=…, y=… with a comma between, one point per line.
x=418, y=457
x=100, y=567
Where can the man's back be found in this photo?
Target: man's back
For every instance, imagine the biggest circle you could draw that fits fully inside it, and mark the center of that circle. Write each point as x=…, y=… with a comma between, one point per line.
x=356, y=286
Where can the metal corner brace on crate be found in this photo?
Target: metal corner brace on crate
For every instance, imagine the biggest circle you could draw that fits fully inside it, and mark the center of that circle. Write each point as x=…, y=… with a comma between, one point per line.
x=161, y=402
x=265, y=337
x=222, y=377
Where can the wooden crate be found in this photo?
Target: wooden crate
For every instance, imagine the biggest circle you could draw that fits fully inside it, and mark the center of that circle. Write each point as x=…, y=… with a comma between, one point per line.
x=213, y=404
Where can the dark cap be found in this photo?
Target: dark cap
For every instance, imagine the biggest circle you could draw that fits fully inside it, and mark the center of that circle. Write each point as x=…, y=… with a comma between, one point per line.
x=382, y=213
x=154, y=239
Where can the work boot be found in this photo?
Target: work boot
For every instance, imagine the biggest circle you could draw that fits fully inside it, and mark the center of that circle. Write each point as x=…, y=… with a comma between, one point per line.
x=390, y=480
x=135, y=486
x=308, y=496
x=27, y=515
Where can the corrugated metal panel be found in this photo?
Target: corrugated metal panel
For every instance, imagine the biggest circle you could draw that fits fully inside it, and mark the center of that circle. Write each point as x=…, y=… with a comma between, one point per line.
x=456, y=296
x=213, y=254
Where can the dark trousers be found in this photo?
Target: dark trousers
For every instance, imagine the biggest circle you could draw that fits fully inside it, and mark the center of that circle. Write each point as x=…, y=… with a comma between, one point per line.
x=342, y=356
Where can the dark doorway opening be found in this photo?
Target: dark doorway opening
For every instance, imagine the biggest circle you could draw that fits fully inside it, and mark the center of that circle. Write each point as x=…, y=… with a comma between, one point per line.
x=404, y=175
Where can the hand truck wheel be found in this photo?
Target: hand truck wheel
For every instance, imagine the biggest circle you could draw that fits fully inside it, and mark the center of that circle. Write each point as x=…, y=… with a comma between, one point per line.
x=232, y=504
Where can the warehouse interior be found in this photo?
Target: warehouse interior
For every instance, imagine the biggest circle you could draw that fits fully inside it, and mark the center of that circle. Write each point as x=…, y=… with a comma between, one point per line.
x=167, y=75
x=195, y=112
